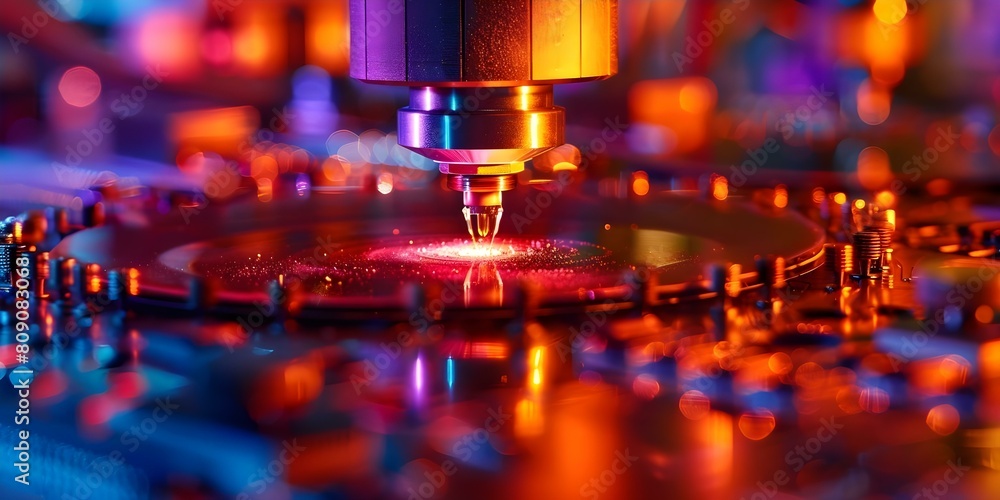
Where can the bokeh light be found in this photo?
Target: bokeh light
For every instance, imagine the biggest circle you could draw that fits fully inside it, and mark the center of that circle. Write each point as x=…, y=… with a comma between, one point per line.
x=720, y=187
x=890, y=11
x=640, y=183
x=874, y=103
x=645, y=386
x=873, y=400
x=943, y=419
x=757, y=425
x=694, y=405
x=780, y=363
x=873, y=168
x=384, y=183
x=80, y=86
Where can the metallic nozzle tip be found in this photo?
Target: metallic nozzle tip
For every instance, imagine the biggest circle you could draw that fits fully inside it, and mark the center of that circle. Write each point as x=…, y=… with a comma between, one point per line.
x=483, y=222
x=483, y=199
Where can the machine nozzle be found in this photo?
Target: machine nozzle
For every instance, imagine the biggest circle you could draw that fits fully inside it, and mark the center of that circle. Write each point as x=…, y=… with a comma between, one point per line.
x=482, y=196
x=483, y=222
x=481, y=98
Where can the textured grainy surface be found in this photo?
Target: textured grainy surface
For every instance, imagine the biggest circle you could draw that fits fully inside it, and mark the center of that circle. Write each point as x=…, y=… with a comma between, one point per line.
x=598, y=34
x=497, y=40
x=434, y=40
x=380, y=266
x=441, y=41
x=385, y=31
x=359, y=63
x=555, y=39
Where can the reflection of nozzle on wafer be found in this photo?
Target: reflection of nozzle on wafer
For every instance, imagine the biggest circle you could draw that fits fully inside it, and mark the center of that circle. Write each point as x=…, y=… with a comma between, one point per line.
x=483, y=285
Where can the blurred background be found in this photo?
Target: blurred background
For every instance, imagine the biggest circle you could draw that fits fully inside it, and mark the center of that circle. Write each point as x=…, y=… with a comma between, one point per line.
x=700, y=85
